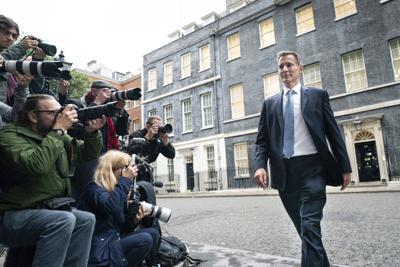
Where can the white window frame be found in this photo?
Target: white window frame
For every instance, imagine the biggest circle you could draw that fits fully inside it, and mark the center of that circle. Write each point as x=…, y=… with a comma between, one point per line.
x=186, y=67
x=362, y=70
x=206, y=109
x=187, y=120
x=151, y=79
x=152, y=112
x=297, y=12
x=317, y=82
x=171, y=170
x=204, y=58
x=335, y=5
x=231, y=47
x=168, y=114
x=267, y=38
x=168, y=73
x=235, y=114
x=237, y=158
x=210, y=156
x=267, y=79
x=395, y=60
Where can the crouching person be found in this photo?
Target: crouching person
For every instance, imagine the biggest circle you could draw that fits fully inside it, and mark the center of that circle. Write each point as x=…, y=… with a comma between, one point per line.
x=106, y=197
x=34, y=203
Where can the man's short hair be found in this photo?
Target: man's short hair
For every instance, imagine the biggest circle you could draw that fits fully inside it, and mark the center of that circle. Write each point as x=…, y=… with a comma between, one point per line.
x=8, y=23
x=31, y=103
x=288, y=53
x=151, y=119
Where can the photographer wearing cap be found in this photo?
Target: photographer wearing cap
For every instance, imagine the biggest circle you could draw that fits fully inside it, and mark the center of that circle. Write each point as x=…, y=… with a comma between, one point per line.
x=99, y=94
x=34, y=205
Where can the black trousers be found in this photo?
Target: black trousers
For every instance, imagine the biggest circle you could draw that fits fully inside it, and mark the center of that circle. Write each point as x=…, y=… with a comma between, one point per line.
x=304, y=199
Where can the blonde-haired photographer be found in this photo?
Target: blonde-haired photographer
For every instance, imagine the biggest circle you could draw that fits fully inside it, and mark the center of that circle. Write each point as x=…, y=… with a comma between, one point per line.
x=106, y=197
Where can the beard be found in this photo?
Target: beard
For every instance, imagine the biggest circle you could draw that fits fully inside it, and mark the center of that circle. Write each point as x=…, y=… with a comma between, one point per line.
x=44, y=127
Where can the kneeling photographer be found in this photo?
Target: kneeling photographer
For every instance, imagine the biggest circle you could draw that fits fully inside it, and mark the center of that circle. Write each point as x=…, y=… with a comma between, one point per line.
x=106, y=196
x=156, y=142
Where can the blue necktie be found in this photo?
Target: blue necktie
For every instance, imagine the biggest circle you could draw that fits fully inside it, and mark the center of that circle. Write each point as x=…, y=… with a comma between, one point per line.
x=288, y=130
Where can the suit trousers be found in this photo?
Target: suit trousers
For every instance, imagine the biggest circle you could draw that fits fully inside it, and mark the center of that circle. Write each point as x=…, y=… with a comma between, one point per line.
x=304, y=198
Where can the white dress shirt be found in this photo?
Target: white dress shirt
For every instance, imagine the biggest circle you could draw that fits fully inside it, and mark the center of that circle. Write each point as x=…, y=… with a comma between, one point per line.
x=303, y=143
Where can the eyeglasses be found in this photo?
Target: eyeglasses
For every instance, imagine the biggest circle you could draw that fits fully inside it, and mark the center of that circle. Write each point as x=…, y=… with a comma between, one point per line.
x=50, y=112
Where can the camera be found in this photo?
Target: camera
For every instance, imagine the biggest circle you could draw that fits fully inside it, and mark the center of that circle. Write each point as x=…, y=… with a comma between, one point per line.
x=167, y=128
x=95, y=112
x=135, y=200
x=50, y=69
x=48, y=49
x=91, y=113
x=130, y=94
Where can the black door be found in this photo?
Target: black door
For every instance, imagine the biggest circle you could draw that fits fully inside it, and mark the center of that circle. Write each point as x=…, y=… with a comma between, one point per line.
x=190, y=176
x=367, y=161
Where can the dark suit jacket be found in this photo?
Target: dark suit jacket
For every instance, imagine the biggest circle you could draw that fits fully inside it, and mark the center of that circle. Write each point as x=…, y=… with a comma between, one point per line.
x=320, y=121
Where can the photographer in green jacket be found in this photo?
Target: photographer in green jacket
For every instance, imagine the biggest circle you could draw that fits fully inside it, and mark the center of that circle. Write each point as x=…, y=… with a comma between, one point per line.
x=38, y=152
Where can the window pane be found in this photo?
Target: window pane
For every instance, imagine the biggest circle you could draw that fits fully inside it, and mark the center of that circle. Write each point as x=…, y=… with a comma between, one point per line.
x=305, y=19
x=152, y=79
x=271, y=84
x=344, y=8
x=354, y=71
x=395, y=52
x=205, y=57
x=168, y=73
x=233, y=46
x=241, y=160
x=171, y=170
x=206, y=109
x=267, y=33
x=312, y=76
x=211, y=162
x=185, y=65
x=187, y=115
x=152, y=112
x=237, y=103
x=168, y=114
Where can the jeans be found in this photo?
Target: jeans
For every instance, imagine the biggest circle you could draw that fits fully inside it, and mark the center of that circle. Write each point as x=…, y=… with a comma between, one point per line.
x=62, y=238
x=139, y=244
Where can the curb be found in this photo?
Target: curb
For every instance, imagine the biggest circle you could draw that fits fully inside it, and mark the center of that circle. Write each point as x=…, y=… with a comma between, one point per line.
x=273, y=192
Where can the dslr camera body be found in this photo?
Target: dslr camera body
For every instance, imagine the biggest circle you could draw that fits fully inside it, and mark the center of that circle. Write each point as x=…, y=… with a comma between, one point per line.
x=135, y=200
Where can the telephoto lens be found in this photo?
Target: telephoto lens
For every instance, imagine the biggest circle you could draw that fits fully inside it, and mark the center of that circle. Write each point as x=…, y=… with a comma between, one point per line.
x=49, y=69
x=163, y=214
x=167, y=128
x=130, y=94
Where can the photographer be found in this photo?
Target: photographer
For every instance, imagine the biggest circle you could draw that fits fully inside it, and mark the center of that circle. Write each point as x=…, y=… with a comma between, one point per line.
x=7, y=113
x=99, y=94
x=106, y=197
x=34, y=205
x=156, y=141
x=9, y=33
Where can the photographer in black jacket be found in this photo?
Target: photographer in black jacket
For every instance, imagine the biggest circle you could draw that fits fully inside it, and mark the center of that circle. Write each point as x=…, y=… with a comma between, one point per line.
x=156, y=142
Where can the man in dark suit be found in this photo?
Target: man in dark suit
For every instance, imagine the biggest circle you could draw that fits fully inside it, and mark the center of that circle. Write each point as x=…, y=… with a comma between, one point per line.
x=294, y=127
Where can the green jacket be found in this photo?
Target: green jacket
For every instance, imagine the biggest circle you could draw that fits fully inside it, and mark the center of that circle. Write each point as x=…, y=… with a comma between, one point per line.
x=43, y=160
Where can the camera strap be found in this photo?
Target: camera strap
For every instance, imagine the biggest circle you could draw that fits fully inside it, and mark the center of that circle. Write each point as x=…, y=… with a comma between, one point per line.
x=74, y=156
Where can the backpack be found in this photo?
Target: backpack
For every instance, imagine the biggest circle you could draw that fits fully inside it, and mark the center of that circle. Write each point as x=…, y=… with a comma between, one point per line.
x=173, y=251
